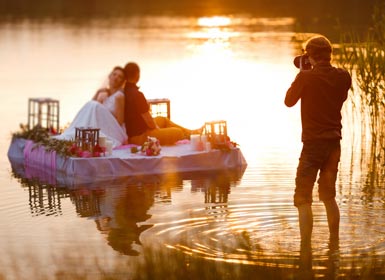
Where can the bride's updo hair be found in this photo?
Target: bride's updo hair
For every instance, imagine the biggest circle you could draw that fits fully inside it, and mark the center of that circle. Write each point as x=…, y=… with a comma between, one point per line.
x=106, y=82
x=131, y=69
x=120, y=68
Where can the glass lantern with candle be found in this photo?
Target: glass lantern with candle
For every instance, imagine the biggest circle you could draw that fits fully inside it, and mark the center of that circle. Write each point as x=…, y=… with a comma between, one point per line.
x=216, y=133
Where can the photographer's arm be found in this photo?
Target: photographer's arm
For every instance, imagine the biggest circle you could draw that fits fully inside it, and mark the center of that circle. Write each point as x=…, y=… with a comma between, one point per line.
x=293, y=94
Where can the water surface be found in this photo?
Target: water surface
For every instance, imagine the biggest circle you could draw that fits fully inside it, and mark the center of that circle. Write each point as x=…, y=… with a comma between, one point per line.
x=241, y=223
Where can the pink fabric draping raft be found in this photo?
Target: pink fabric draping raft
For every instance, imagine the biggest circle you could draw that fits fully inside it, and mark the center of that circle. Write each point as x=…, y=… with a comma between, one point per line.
x=37, y=158
x=122, y=163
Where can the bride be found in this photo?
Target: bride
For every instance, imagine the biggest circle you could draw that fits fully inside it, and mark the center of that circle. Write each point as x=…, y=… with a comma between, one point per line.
x=104, y=111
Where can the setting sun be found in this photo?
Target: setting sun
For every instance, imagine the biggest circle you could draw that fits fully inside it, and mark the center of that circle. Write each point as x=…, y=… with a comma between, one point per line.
x=215, y=21
x=214, y=28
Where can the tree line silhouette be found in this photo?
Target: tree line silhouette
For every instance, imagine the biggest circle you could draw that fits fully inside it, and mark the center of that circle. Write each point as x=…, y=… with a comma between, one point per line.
x=349, y=10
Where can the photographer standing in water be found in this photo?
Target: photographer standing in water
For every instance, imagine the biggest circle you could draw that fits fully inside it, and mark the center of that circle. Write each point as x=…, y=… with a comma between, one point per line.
x=322, y=89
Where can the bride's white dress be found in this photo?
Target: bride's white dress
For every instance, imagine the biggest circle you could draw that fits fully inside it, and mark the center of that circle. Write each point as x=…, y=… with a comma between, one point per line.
x=96, y=115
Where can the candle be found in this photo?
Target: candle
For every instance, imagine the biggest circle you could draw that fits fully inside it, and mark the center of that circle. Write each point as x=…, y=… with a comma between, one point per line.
x=208, y=147
x=102, y=141
x=200, y=146
x=194, y=140
x=204, y=140
x=108, y=147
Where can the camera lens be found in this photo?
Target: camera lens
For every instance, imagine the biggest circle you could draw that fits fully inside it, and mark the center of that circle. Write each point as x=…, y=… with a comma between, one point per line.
x=306, y=65
x=297, y=60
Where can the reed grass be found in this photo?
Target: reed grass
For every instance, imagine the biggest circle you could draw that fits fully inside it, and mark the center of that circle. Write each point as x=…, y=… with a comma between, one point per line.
x=160, y=262
x=364, y=57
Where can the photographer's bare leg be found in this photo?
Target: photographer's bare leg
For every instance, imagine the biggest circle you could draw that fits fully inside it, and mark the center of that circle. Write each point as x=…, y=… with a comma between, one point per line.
x=327, y=182
x=305, y=217
x=306, y=176
x=333, y=216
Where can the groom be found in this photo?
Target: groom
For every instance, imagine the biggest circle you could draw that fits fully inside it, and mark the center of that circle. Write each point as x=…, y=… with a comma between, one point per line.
x=138, y=119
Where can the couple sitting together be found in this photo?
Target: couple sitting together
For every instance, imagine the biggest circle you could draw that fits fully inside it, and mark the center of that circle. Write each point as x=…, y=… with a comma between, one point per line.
x=123, y=115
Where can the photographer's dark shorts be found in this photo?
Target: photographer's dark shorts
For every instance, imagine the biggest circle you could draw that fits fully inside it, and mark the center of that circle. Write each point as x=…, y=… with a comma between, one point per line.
x=323, y=156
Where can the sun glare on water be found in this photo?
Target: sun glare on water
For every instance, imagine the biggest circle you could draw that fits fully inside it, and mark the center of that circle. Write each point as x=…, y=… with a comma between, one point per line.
x=214, y=21
x=231, y=83
x=213, y=28
x=210, y=55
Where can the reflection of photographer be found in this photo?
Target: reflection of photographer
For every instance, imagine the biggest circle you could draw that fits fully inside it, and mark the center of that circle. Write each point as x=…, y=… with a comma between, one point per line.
x=322, y=90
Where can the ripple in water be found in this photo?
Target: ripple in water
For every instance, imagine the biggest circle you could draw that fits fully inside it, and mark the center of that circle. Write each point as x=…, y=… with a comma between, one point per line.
x=258, y=225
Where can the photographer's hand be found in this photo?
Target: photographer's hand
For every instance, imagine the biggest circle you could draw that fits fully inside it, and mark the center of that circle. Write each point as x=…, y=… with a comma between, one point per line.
x=301, y=64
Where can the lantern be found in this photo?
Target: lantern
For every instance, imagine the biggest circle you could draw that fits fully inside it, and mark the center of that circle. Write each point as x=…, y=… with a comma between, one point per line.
x=86, y=138
x=160, y=107
x=216, y=133
x=43, y=112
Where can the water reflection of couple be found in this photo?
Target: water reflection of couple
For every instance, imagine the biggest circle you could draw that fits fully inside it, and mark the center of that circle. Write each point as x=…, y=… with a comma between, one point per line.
x=122, y=211
x=122, y=113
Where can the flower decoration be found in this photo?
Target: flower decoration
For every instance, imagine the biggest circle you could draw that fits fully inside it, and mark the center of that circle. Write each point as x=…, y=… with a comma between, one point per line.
x=226, y=145
x=134, y=150
x=67, y=148
x=151, y=147
x=231, y=144
x=52, y=131
x=76, y=151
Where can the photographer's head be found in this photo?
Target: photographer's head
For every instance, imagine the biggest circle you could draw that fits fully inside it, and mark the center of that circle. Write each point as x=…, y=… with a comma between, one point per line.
x=319, y=49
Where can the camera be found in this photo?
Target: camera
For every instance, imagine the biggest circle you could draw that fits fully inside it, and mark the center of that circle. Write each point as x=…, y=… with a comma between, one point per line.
x=302, y=62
